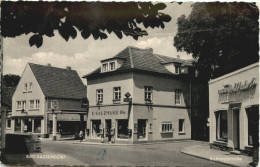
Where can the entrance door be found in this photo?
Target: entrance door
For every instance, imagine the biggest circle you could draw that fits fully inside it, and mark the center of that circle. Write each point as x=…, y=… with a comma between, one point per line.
x=28, y=125
x=236, y=128
x=108, y=129
x=141, y=128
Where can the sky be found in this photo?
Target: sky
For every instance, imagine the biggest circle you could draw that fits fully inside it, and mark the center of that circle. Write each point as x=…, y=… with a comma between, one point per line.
x=84, y=55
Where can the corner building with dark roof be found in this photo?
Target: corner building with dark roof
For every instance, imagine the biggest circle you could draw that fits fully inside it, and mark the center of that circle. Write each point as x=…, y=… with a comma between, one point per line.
x=139, y=96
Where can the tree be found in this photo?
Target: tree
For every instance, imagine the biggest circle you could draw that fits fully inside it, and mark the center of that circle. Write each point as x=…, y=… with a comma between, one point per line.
x=89, y=18
x=223, y=37
x=10, y=80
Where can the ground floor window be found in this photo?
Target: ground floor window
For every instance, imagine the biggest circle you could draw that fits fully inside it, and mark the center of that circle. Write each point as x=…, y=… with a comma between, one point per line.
x=96, y=128
x=122, y=128
x=37, y=125
x=141, y=134
x=181, y=125
x=253, y=127
x=166, y=127
x=221, y=119
x=8, y=123
x=27, y=125
x=17, y=125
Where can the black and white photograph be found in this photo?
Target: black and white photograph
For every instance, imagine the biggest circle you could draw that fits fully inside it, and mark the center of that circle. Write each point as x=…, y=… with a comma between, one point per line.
x=129, y=83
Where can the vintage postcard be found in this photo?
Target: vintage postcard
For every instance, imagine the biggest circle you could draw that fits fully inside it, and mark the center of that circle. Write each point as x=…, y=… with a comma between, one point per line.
x=129, y=83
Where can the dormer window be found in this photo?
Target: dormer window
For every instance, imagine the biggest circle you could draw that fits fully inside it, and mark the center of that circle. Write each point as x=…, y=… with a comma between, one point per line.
x=104, y=67
x=112, y=66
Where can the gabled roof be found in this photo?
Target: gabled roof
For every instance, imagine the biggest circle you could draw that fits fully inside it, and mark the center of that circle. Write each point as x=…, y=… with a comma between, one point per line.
x=142, y=60
x=59, y=83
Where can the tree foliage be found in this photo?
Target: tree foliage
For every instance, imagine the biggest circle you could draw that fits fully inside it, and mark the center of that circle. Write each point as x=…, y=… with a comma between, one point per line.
x=89, y=18
x=223, y=37
x=10, y=80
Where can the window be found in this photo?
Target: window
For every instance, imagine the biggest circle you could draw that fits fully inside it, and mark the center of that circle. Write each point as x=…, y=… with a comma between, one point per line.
x=122, y=128
x=166, y=127
x=221, y=124
x=104, y=67
x=177, y=69
x=37, y=125
x=19, y=105
x=30, y=87
x=23, y=104
x=112, y=66
x=181, y=125
x=253, y=116
x=8, y=123
x=99, y=96
x=37, y=104
x=25, y=87
x=117, y=94
x=96, y=126
x=31, y=104
x=177, y=96
x=148, y=93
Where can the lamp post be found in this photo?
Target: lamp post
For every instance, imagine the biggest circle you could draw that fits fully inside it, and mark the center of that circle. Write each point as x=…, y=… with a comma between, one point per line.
x=54, y=125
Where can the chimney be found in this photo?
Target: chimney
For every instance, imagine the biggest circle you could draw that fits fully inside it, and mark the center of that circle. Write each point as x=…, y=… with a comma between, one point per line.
x=68, y=68
x=150, y=49
x=48, y=65
x=178, y=56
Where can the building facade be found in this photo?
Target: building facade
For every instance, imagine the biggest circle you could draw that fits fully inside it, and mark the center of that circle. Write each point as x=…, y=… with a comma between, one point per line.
x=46, y=93
x=234, y=102
x=139, y=96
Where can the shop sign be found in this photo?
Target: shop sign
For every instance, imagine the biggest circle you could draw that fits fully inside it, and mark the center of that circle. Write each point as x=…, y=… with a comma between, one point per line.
x=237, y=87
x=114, y=112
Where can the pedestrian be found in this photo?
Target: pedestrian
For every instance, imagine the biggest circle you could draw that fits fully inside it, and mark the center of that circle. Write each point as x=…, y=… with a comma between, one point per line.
x=81, y=135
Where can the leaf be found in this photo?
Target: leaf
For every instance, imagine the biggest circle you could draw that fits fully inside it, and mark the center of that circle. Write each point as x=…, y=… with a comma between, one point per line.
x=85, y=34
x=118, y=34
x=160, y=6
x=36, y=40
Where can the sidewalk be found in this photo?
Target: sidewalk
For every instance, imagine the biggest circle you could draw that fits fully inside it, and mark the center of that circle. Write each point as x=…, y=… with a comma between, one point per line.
x=111, y=144
x=224, y=157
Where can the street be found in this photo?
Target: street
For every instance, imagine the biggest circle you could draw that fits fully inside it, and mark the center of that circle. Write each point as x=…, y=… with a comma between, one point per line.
x=156, y=154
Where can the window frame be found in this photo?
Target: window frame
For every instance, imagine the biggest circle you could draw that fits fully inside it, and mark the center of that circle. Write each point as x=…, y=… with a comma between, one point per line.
x=37, y=105
x=105, y=69
x=166, y=125
x=98, y=101
x=18, y=106
x=30, y=87
x=110, y=67
x=116, y=93
x=25, y=87
x=178, y=96
x=147, y=92
x=30, y=107
x=182, y=126
x=24, y=104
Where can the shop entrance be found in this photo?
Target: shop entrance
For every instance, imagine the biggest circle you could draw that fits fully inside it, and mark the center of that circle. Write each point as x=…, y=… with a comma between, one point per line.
x=28, y=125
x=141, y=128
x=236, y=128
x=108, y=129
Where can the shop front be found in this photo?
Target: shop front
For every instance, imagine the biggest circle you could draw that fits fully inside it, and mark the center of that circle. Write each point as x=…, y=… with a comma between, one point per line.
x=109, y=124
x=234, y=109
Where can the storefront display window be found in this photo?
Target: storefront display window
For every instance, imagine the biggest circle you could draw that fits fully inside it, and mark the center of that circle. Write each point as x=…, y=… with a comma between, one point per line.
x=37, y=125
x=122, y=128
x=222, y=125
x=17, y=125
x=253, y=129
x=96, y=128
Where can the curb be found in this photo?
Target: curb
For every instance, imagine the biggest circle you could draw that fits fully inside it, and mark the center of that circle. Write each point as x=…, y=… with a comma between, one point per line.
x=220, y=162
